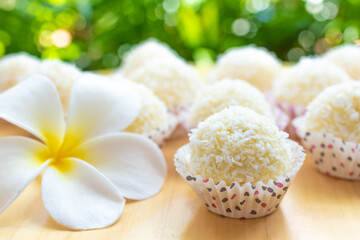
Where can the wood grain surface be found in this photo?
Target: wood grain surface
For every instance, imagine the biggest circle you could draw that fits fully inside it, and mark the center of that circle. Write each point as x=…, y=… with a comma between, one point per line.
x=315, y=207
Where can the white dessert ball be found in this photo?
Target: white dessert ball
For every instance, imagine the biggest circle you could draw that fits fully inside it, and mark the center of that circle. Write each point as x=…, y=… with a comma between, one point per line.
x=253, y=64
x=301, y=83
x=172, y=80
x=346, y=57
x=143, y=53
x=225, y=93
x=153, y=112
x=336, y=111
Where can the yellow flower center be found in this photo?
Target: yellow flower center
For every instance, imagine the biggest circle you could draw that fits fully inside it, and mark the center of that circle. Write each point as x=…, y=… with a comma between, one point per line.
x=62, y=164
x=60, y=149
x=60, y=156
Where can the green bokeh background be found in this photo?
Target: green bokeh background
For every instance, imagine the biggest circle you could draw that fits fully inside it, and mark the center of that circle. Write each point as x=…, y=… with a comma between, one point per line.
x=103, y=30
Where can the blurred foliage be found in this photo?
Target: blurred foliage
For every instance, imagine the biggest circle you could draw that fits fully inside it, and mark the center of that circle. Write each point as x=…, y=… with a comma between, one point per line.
x=96, y=33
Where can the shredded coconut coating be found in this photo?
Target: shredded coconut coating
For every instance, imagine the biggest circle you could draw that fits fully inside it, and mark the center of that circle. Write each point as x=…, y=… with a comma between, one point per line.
x=172, y=80
x=153, y=113
x=253, y=64
x=142, y=53
x=336, y=111
x=62, y=75
x=239, y=145
x=225, y=93
x=301, y=83
x=346, y=57
x=14, y=67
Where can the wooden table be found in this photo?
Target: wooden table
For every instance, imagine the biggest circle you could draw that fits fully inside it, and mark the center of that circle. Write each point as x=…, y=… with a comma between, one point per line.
x=316, y=207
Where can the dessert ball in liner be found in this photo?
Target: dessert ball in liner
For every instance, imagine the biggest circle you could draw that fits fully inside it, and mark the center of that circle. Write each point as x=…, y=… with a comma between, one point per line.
x=347, y=57
x=330, y=131
x=248, y=195
x=142, y=53
x=174, y=81
x=161, y=134
x=298, y=85
x=255, y=65
x=154, y=120
x=230, y=92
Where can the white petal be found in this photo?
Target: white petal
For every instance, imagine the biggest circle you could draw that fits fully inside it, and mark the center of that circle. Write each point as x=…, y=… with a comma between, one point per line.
x=99, y=106
x=81, y=198
x=35, y=106
x=132, y=162
x=20, y=163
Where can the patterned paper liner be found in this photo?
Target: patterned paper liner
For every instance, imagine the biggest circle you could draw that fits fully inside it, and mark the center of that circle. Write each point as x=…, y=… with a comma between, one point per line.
x=281, y=117
x=292, y=110
x=184, y=120
x=160, y=135
x=282, y=120
x=177, y=109
x=179, y=112
x=237, y=201
x=331, y=155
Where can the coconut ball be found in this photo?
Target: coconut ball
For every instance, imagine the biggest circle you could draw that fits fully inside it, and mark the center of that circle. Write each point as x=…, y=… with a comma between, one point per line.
x=239, y=145
x=172, y=80
x=142, y=53
x=225, y=93
x=14, y=67
x=62, y=75
x=301, y=83
x=346, y=57
x=336, y=111
x=252, y=64
x=153, y=113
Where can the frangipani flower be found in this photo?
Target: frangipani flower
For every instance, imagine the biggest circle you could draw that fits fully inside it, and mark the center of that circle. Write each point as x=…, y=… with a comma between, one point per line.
x=88, y=165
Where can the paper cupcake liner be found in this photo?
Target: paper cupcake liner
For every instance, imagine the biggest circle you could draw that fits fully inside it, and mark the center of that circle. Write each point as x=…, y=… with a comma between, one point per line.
x=292, y=110
x=180, y=130
x=177, y=109
x=179, y=112
x=331, y=155
x=282, y=120
x=184, y=120
x=160, y=135
x=235, y=201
